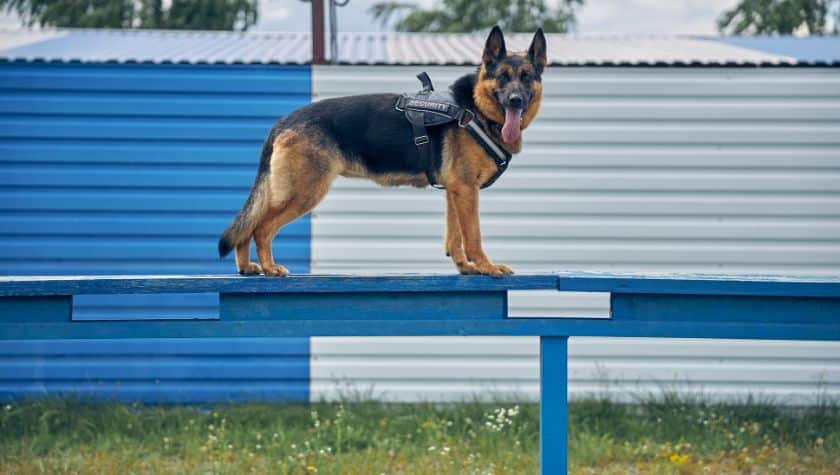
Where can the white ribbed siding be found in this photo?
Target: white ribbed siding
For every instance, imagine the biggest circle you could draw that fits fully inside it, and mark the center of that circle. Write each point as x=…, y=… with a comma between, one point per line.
x=626, y=169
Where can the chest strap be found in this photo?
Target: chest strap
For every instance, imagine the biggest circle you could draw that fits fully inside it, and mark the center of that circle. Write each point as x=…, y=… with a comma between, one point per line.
x=422, y=110
x=497, y=153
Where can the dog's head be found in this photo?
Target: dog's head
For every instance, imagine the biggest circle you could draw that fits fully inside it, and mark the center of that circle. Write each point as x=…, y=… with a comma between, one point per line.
x=509, y=86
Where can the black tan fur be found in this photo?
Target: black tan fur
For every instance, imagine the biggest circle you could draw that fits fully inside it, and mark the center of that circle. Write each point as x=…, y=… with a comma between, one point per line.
x=366, y=137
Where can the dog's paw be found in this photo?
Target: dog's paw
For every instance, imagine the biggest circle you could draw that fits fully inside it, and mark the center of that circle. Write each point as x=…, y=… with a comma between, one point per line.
x=251, y=269
x=467, y=268
x=494, y=270
x=276, y=271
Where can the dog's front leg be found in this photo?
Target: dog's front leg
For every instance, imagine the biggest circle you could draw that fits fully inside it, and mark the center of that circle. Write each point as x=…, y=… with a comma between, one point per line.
x=464, y=198
x=453, y=243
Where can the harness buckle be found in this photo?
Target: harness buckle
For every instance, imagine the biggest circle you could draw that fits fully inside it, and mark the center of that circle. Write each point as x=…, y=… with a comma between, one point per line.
x=466, y=118
x=421, y=140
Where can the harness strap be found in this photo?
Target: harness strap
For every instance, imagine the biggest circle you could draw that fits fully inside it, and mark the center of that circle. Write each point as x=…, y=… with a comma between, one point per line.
x=416, y=109
x=417, y=120
x=426, y=82
x=423, y=144
x=498, y=154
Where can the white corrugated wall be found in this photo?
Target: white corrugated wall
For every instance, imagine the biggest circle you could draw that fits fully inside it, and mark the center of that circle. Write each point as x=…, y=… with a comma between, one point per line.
x=628, y=169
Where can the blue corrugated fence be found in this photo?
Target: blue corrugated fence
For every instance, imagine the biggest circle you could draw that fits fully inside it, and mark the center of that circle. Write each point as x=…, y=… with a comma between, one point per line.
x=127, y=169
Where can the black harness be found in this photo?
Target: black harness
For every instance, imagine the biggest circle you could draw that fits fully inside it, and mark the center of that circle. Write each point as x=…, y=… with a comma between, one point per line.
x=429, y=109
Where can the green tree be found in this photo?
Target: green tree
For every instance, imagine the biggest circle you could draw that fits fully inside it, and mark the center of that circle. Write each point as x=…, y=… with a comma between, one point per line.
x=181, y=14
x=765, y=17
x=464, y=16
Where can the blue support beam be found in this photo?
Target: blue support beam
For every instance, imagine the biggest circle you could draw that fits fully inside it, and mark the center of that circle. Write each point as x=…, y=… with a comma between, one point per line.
x=455, y=326
x=554, y=405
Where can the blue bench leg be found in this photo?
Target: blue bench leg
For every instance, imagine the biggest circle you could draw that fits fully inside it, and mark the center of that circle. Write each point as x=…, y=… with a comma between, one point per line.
x=554, y=409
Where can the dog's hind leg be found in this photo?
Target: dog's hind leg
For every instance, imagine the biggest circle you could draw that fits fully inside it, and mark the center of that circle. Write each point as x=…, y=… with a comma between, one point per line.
x=295, y=208
x=243, y=259
x=264, y=235
x=300, y=175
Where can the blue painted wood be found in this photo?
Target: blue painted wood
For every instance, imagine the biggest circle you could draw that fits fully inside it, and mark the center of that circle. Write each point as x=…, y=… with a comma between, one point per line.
x=439, y=327
x=364, y=306
x=146, y=306
x=554, y=406
x=67, y=285
x=725, y=308
x=679, y=284
x=35, y=309
x=798, y=286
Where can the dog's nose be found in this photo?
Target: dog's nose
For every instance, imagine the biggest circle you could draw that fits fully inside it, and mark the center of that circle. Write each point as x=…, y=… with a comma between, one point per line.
x=515, y=100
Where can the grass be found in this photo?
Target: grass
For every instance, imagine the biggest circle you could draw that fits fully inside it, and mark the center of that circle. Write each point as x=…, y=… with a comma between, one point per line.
x=666, y=434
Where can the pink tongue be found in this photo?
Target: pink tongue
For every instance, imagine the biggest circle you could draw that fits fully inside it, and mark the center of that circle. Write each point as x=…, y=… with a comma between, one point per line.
x=510, y=130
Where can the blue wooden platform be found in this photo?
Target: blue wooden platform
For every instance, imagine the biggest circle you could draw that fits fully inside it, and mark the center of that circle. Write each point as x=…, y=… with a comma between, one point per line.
x=690, y=306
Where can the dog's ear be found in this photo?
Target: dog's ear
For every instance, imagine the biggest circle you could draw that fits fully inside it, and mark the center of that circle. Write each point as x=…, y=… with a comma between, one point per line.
x=494, y=48
x=536, y=53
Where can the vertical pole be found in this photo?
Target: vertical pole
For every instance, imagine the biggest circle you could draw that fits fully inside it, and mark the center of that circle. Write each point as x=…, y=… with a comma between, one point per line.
x=554, y=409
x=318, y=32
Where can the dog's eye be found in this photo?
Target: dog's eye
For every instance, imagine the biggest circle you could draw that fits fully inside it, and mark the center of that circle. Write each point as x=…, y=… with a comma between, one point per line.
x=505, y=76
x=523, y=76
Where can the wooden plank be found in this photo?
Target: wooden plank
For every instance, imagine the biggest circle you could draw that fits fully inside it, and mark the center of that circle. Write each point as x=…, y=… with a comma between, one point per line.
x=678, y=284
x=66, y=285
x=399, y=327
x=364, y=306
x=769, y=310
x=701, y=284
x=16, y=310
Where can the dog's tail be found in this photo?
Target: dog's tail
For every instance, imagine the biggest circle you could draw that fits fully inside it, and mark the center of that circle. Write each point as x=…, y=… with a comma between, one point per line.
x=245, y=222
x=252, y=211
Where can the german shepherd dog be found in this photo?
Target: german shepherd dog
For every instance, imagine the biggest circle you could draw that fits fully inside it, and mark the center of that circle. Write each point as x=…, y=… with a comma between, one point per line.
x=366, y=137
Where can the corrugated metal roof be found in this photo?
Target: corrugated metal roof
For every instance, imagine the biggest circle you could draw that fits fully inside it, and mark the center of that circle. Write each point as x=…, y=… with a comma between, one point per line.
x=148, y=46
x=198, y=47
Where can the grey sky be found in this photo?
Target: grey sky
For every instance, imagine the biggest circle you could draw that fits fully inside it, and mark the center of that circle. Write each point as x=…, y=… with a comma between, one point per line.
x=622, y=17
